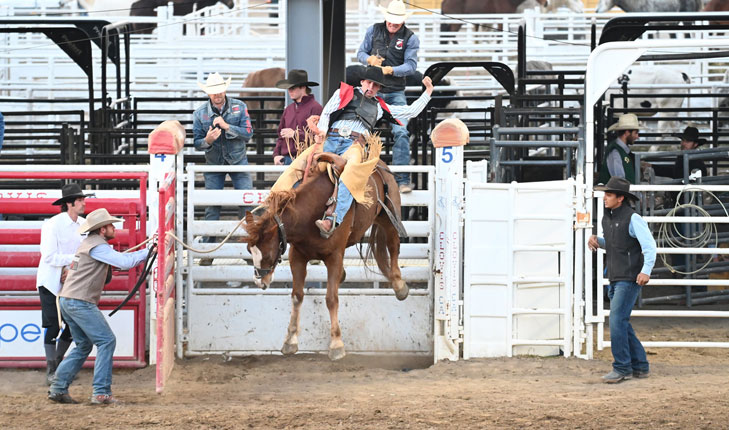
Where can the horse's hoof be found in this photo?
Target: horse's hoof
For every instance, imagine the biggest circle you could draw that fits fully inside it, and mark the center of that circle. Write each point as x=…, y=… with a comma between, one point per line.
x=403, y=292
x=289, y=348
x=337, y=353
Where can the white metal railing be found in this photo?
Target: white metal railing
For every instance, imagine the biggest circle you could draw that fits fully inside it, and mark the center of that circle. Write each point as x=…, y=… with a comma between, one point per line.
x=158, y=60
x=196, y=229
x=599, y=315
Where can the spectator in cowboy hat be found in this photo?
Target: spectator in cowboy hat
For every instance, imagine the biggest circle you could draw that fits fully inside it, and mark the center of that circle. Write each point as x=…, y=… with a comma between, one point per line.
x=627, y=239
x=293, y=120
x=393, y=47
x=348, y=117
x=618, y=160
x=221, y=127
x=58, y=243
x=690, y=140
x=79, y=300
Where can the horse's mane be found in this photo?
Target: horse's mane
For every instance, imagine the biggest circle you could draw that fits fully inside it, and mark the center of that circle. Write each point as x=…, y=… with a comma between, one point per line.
x=275, y=204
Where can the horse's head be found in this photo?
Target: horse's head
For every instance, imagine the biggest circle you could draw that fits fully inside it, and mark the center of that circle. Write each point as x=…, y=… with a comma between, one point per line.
x=266, y=242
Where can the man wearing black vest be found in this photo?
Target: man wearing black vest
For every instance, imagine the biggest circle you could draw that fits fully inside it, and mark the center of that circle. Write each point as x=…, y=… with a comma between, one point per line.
x=631, y=254
x=347, y=119
x=393, y=47
x=619, y=161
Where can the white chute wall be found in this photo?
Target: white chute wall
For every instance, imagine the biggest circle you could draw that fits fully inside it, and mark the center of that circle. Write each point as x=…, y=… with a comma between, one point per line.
x=518, y=268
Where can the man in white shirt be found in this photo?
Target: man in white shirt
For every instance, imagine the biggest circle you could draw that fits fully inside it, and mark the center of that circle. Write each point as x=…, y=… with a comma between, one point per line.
x=59, y=241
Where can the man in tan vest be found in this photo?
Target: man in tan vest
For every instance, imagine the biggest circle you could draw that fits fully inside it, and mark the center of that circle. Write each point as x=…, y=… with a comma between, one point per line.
x=79, y=299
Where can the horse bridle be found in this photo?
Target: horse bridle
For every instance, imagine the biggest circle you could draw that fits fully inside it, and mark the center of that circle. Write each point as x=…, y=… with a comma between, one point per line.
x=282, y=245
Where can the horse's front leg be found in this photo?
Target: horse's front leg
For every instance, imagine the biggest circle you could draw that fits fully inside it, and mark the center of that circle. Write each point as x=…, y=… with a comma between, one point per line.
x=298, y=270
x=334, y=275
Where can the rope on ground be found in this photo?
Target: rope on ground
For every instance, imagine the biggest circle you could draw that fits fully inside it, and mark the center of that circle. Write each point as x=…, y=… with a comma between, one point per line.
x=667, y=230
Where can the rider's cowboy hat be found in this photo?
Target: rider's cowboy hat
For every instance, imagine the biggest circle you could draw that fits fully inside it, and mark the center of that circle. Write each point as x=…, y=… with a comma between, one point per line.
x=97, y=219
x=374, y=74
x=215, y=84
x=297, y=78
x=69, y=193
x=395, y=12
x=617, y=185
x=627, y=121
x=691, y=134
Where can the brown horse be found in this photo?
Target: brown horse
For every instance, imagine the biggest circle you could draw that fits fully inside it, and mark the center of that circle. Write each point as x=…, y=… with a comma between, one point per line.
x=265, y=78
x=717, y=6
x=288, y=219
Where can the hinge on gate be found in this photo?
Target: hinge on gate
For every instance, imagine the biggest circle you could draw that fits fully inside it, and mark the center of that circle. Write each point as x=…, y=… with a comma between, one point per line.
x=461, y=328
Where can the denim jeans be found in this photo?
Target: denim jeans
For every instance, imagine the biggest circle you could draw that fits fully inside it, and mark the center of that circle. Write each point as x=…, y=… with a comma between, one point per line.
x=401, y=147
x=339, y=145
x=216, y=180
x=287, y=160
x=88, y=328
x=628, y=353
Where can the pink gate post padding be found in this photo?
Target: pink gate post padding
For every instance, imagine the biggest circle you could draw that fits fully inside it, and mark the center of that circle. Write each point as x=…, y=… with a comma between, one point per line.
x=164, y=282
x=167, y=138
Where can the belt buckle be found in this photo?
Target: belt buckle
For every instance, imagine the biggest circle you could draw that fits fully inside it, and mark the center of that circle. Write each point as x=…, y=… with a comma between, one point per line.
x=345, y=131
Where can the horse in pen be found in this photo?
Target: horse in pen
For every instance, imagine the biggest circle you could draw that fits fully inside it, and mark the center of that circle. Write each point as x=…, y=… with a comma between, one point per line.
x=288, y=218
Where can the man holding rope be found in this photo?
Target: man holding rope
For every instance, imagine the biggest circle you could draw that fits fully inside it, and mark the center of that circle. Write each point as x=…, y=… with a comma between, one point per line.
x=58, y=244
x=631, y=254
x=79, y=299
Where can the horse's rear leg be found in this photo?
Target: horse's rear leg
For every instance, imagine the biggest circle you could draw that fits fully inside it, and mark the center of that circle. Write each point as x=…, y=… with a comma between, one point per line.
x=334, y=274
x=298, y=270
x=388, y=234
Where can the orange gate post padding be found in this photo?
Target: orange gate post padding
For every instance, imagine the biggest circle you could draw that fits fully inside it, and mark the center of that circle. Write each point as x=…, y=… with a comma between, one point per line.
x=167, y=138
x=450, y=132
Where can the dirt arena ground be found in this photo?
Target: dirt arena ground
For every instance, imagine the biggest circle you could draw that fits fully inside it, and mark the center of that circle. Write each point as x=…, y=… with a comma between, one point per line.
x=688, y=389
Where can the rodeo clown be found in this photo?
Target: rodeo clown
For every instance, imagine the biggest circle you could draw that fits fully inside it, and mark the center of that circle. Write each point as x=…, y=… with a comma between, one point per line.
x=348, y=117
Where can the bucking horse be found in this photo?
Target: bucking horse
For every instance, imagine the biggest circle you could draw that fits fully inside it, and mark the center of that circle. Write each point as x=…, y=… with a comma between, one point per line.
x=286, y=220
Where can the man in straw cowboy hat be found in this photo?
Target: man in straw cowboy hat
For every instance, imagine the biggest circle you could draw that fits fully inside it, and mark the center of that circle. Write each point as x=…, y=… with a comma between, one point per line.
x=79, y=300
x=221, y=127
x=393, y=47
x=293, y=120
x=347, y=118
x=618, y=161
x=631, y=254
x=59, y=240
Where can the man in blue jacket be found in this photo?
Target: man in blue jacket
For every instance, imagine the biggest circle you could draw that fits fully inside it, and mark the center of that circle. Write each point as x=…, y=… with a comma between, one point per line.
x=221, y=127
x=631, y=254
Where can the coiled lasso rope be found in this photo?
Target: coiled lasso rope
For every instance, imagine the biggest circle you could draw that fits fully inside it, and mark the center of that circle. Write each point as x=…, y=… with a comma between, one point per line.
x=702, y=238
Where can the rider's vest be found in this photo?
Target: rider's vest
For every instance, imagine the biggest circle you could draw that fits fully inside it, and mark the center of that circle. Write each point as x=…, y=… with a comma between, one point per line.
x=354, y=105
x=393, y=51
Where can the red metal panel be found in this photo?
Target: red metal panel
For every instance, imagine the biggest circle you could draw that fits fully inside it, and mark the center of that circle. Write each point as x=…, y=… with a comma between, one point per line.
x=120, y=282
x=115, y=207
x=73, y=175
x=27, y=236
x=134, y=212
x=19, y=259
x=19, y=236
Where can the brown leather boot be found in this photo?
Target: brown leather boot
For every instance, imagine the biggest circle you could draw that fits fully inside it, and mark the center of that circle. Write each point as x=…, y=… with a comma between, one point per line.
x=326, y=227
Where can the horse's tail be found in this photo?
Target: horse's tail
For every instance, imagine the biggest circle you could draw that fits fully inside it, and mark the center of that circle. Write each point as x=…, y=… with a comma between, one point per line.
x=377, y=248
